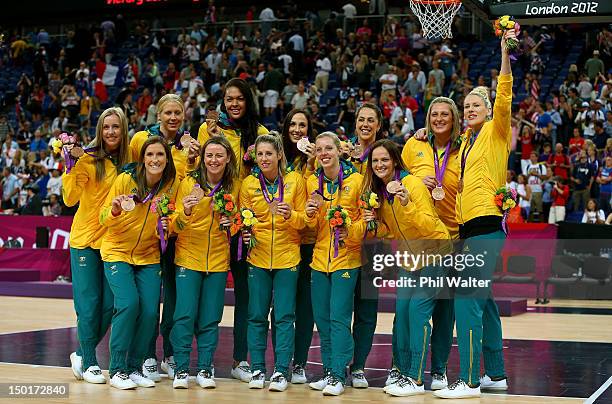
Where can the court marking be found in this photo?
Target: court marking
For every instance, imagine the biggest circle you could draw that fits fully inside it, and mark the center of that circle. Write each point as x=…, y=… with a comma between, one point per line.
x=599, y=391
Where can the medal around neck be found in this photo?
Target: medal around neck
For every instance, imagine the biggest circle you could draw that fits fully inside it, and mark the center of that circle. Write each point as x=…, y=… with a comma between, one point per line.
x=437, y=193
x=128, y=205
x=357, y=151
x=318, y=199
x=273, y=207
x=393, y=187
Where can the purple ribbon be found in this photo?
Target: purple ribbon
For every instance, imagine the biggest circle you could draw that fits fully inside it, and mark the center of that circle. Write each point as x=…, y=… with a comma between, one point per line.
x=177, y=139
x=505, y=222
x=264, y=189
x=71, y=161
x=162, y=237
x=240, y=247
x=440, y=171
x=336, y=241
x=340, y=179
x=364, y=156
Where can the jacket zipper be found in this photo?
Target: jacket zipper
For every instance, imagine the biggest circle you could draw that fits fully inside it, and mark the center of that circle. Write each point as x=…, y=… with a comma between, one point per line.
x=141, y=230
x=208, y=246
x=331, y=233
x=272, y=244
x=397, y=223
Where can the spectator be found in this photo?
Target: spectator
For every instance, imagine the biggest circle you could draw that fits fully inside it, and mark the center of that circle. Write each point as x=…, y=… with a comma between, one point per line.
x=584, y=121
x=601, y=137
x=324, y=67
x=527, y=147
x=560, y=195
x=300, y=99
x=604, y=179
x=576, y=143
x=584, y=88
x=38, y=144
x=524, y=193
x=54, y=207
x=594, y=66
x=592, y=214
x=272, y=86
x=33, y=204
x=54, y=186
x=582, y=179
x=388, y=82
x=559, y=162
x=546, y=153
x=10, y=189
x=537, y=173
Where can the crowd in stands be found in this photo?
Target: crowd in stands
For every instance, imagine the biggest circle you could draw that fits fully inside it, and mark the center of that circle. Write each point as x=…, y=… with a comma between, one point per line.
x=562, y=154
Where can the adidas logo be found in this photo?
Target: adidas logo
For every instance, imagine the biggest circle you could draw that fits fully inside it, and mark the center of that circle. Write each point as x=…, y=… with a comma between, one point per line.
x=420, y=154
x=82, y=259
x=182, y=272
x=346, y=275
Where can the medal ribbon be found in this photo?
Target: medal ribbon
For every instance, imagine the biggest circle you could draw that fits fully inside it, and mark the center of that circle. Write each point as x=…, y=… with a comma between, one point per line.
x=440, y=171
x=465, y=155
x=264, y=188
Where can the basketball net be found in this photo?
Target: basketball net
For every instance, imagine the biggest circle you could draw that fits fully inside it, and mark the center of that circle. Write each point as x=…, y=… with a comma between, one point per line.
x=436, y=16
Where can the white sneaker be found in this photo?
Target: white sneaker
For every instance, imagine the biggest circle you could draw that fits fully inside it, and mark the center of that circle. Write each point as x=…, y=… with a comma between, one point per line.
x=181, y=380
x=487, y=384
x=405, y=387
x=394, y=376
x=459, y=389
x=439, y=381
x=242, y=372
x=168, y=365
x=206, y=379
x=141, y=381
x=122, y=381
x=278, y=382
x=321, y=383
x=358, y=380
x=257, y=380
x=334, y=387
x=94, y=375
x=298, y=375
x=76, y=363
x=149, y=370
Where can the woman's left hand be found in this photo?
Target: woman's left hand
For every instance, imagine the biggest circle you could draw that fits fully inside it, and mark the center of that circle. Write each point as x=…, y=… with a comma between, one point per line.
x=403, y=195
x=194, y=150
x=284, y=210
x=342, y=233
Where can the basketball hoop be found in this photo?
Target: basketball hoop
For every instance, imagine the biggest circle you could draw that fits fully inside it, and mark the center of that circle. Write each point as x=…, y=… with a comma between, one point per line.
x=436, y=16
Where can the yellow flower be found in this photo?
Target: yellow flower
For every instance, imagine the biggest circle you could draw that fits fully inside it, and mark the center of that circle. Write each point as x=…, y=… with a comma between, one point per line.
x=508, y=204
x=504, y=20
x=254, y=221
x=247, y=214
x=348, y=221
x=510, y=25
x=248, y=222
x=373, y=201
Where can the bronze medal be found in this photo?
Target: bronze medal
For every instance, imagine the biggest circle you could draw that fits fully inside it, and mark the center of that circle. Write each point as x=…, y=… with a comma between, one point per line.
x=437, y=193
x=393, y=187
x=318, y=199
x=460, y=186
x=273, y=207
x=198, y=192
x=77, y=152
x=128, y=205
x=186, y=140
x=302, y=144
x=356, y=152
x=212, y=116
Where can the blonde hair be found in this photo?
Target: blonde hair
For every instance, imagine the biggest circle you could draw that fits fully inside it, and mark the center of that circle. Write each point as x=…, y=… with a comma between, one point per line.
x=274, y=138
x=166, y=99
x=483, y=93
x=330, y=135
x=98, y=142
x=456, y=129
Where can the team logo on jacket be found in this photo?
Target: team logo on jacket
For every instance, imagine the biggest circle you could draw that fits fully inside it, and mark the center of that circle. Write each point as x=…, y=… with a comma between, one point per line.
x=346, y=275
x=420, y=154
x=346, y=189
x=257, y=191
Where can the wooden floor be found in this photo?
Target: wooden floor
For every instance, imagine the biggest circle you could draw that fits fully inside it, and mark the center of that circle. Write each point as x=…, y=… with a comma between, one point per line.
x=22, y=314
x=227, y=391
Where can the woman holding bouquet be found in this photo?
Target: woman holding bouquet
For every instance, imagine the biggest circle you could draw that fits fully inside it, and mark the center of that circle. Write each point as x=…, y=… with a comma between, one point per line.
x=335, y=190
x=88, y=183
x=206, y=198
x=135, y=214
x=238, y=123
x=483, y=163
x=276, y=200
x=185, y=150
x=407, y=214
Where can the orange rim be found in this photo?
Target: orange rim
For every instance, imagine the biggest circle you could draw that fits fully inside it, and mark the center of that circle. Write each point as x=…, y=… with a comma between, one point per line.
x=437, y=2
